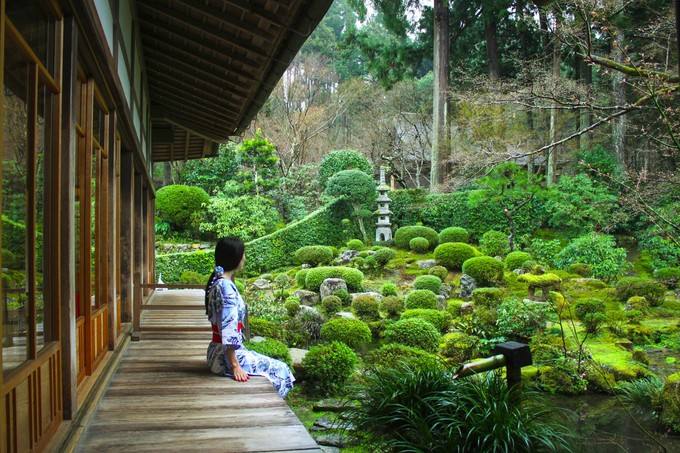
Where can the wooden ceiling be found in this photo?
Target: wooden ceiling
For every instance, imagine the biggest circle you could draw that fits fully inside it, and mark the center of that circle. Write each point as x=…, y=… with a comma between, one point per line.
x=211, y=64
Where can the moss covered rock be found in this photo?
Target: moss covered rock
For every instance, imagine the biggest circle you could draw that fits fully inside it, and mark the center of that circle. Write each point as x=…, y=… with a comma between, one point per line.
x=543, y=282
x=670, y=402
x=485, y=270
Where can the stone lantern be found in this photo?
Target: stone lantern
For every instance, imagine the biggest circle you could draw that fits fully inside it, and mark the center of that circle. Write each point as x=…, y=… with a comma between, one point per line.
x=383, y=231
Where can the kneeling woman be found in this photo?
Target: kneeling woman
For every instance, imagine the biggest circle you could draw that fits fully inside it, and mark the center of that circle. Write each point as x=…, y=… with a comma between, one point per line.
x=226, y=310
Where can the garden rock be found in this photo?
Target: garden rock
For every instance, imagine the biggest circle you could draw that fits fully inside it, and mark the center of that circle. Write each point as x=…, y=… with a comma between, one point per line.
x=328, y=405
x=305, y=266
x=309, y=308
x=327, y=449
x=376, y=296
x=332, y=440
x=307, y=297
x=625, y=344
x=261, y=284
x=347, y=256
x=325, y=423
x=257, y=339
x=467, y=285
x=426, y=264
x=441, y=302
x=297, y=354
x=519, y=271
x=467, y=308
x=445, y=290
x=332, y=285
x=346, y=315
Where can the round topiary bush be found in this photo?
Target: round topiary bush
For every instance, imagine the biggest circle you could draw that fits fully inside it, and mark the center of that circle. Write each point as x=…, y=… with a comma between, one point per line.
x=453, y=306
x=458, y=347
x=494, y=243
x=419, y=245
x=452, y=255
x=392, y=306
x=651, y=290
x=353, y=332
x=292, y=305
x=272, y=348
x=394, y=354
x=181, y=206
x=331, y=305
x=669, y=276
x=414, y=332
x=388, y=289
x=316, y=276
x=384, y=255
x=591, y=312
x=266, y=328
x=439, y=271
x=431, y=282
x=421, y=298
x=514, y=260
x=453, y=234
x=355, y=244
x=485, y=270
x=300, y=277
x=327, y=367
x=581, y=269
x=314, y=255
x=487, y=297
x=439, y=319
x=403, y=236
x=344, y=296
x=339, y=160
x=637, y=303
x=366, y=307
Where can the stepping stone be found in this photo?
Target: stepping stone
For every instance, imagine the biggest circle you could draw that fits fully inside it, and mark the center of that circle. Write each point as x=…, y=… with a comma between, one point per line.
x=331, y=440
x=297, y=355
x=329, y=405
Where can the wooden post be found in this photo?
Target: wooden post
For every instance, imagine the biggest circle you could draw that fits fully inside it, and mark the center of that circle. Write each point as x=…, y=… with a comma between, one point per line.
x=112, y=255
x=517, y=355
x=137, y=225
x=127, y=234
x=67, y=258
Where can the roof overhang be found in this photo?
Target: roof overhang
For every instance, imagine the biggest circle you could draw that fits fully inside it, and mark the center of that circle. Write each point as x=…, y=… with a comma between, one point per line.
x=211, y=65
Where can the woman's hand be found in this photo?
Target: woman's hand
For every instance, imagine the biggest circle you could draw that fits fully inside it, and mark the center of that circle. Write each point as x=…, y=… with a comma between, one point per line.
x=240, y=375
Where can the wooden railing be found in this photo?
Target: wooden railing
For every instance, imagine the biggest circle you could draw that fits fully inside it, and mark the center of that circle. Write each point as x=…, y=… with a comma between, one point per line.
x=511, y=355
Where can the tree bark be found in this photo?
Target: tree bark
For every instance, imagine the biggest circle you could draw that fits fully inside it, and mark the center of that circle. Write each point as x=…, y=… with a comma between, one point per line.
x=167, y=173
x=551, y=153
x=677, y=29
x=491, y=44
x=585, y=117
x=619, y=94
x=440, y=141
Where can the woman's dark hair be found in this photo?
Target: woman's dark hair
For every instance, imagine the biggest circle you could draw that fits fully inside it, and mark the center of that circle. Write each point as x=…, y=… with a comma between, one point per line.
x=228, y=254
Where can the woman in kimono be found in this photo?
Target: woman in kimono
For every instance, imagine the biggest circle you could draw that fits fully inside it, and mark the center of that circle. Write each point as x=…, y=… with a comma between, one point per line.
x=225, y=308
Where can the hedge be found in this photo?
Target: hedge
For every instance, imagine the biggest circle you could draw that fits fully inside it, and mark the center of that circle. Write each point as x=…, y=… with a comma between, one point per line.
x=316, y=276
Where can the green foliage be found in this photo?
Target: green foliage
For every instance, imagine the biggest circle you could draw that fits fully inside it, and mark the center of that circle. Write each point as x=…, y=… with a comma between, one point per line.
x=414, y=332
x=192, y=278
x=439, y=271
x=272, y=348
x=292, y=305
x=591, y=312
x=596, y=250
x=384, y=255
x=637, y=303
x=331, y=305
x=247, y=217
x=422, y=409
x=352, y=332
x=403, y=236
x=421, y=298
x=562, y=376
x=494, y=243
x=388, y=289
x=392, y=306
x=327, y=367
x=670, y=402
x=514, y=260
x=358, y=189
x=453, y=307
x=258, y=165
x=458, y=347
x=487, y=297
x=355, y=244
x=439, y=319
x=337, y=161
x=669, y=276
x=485, y=270
x=366, y=307
x=316, y=276
x=314, y=255
x=452, y=255
x=300, y=277
x=171, y=266
x=181, y=206
x=453, y=234
x=541, y=280
x=520, y=320
x=581, y=269
x=305, y=327
x=395, y=355
x=663, y=251
x=344, y=296
x=579, y=205
x=210, y=173
x=597, y=162
x=266, y=328
x=419, y=245
x=430, y=282
x=545, y=251
x=262, y=305
x=651, y=290
x=645, y=393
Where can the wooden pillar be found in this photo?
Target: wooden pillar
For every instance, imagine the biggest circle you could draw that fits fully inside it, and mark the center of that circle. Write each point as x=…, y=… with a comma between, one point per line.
x=67, y=227
x=127, y=237
x=112, y=255
x=137, y=224
x=3, y=415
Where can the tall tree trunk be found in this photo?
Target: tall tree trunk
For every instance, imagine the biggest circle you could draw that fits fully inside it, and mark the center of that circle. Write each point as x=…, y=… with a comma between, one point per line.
x=440, y=141
x=491, y=43
x=585, y=115
x=167, y=173
x=551, y=153
x=677, y=29
x=619, y=94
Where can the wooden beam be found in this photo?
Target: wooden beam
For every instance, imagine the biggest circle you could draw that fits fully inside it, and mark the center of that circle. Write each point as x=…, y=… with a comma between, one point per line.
x=197, y=112
x=203, y=102
x=180, y=87
x=247, y=7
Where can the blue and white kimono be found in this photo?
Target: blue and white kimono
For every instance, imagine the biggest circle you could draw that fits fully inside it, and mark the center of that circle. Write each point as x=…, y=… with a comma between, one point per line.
x=226, y=311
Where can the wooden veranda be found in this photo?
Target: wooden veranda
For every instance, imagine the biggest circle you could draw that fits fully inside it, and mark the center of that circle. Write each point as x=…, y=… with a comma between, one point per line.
x=162, y=397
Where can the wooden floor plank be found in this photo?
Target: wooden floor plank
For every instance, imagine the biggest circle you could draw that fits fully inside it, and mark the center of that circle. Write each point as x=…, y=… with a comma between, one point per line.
x=163, y=398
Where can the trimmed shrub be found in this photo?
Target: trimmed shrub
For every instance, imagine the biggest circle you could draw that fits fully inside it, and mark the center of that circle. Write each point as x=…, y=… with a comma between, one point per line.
x=305, y=327
x=591, y=312
x=403, y=236
x=439, y=319
x=485, y=270
x=545, y=251
x=419, y=245
x=414, y=332
x=316, y=276
x=314, y=255
x=520, y=320
x=453, y=234
x=596, y=250
x=651, y=290
x=392, y=306
x=344, y=296
x=272, y=348
x=240, y=286
x=458, y=347
x=355, y=244
x=331, y=305
x=514, y=260
x=638, y=303
x=388, y=289
x=366, y=307
x=453, y=307
x=266, y=328
x=352, y=332
x=344, y=159
x=327, y=367
x=421, y=298
x=439, y=271
x=192, y=278
x=300, y=277
x=394, y=354
x=670, y=402
x=430, y=282
x=181, y=206
x=171, y=266
x=494, y=243
x=384, y=255
x=452, y=255
x=581, y=269
x=292, y=305
x=669, y=276
x=487, y=297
